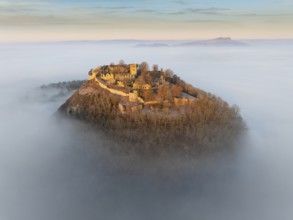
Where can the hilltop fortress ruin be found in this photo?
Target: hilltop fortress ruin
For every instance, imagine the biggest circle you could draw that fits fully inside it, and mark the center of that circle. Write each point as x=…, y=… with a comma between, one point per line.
x=139, y=87
x=153, y=112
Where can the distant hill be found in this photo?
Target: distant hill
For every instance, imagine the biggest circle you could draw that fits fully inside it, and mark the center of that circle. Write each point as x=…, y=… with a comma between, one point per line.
x=217, y=42
x=221, y=41
x=54, y=91
x=68, y=85
x=152, y=45
x=153, y=112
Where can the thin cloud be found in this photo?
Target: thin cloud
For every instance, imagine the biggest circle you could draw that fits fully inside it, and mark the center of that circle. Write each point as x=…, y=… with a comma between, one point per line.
x=118, y=7
x=180, y=2
x=265, y=15
x=282, y=2
x=204, y=21
x=92, y=11
x=113, y=7
x=19, y=6
x=147, y=11
x=46, y=20
x=206, y=11
x=223, y=23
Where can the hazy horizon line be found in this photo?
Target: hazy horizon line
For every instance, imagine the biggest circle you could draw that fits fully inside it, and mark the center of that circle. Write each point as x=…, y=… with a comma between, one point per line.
x=137, y=39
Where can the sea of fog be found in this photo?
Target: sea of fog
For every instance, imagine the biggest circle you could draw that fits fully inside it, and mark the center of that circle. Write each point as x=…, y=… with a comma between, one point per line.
x=47, y=173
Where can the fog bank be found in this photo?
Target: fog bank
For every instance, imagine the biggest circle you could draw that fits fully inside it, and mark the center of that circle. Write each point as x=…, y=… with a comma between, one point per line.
x=48, y=172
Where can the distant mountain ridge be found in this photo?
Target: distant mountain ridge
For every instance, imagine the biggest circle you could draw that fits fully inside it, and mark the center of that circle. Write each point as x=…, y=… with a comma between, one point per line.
x=152, y=45
x=220, y=41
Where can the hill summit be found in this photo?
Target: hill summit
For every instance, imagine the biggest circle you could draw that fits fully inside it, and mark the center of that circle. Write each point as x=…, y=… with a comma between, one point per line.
x=142, y=89
x=220, y=41
x=153, y=111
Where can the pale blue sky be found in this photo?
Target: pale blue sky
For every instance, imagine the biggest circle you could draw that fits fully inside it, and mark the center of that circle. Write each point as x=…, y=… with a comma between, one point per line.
x=144, y=19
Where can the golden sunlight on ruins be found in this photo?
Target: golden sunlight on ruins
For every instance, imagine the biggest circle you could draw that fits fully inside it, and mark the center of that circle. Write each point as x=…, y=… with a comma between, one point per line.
x=138, y=86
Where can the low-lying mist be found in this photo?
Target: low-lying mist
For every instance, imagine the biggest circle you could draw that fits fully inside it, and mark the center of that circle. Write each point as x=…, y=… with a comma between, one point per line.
x=49, y=171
